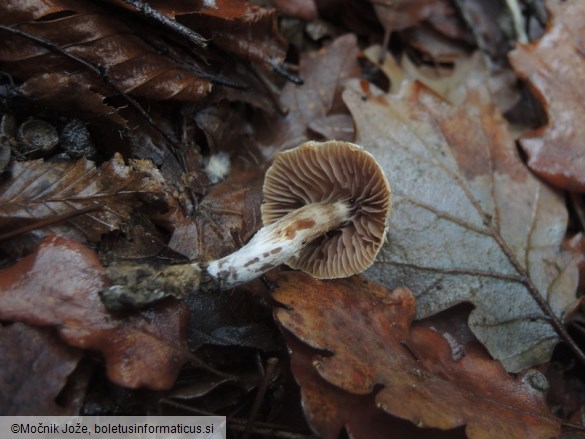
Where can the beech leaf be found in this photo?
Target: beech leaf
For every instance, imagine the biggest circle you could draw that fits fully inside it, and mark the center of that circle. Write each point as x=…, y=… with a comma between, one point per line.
x=470, y=223
x=58, y=286
x=554, y=66
x=41, y=190
x=367, y=331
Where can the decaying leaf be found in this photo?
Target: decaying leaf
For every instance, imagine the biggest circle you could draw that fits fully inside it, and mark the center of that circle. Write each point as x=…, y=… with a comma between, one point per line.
x=40, y=190
x=58, y=286
x=227, y=217
x=329, y=409
x=554, y=66
x=35, y=367
x=368, y=332
x=470, y=223
x=324, y=73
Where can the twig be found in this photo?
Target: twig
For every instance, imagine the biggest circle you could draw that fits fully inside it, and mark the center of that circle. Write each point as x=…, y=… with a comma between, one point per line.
x=268, y=88
x=263, y=428
x=168, y=23
x=49, y=221
x=282, y=71
x=268, y=373
x=219, y=80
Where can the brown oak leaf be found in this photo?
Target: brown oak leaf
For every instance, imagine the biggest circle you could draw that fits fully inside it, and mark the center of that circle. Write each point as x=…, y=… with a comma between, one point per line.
x=367, y=331
x=554, y=66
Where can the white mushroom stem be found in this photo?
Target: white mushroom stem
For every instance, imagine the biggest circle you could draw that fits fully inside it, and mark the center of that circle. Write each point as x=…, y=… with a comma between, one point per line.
x=276, y=243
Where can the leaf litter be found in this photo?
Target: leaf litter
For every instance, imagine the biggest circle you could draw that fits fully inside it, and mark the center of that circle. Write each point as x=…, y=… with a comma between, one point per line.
x=470, y=224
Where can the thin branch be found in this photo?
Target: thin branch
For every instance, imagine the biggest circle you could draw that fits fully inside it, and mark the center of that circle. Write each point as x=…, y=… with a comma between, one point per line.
x=282, y=71
x=49, y=222
x=219, y=80
x=269, y=372
x=264, y=428
x=168, y=23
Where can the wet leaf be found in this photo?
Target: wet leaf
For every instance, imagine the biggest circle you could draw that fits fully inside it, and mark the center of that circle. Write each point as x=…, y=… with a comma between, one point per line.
x=226, y=219
x=40, y=190
x=554, y=66
x=98, y=37
x=58, y=286
x=35, y=367
x=470, y=223
x=368, y=332
x=329, y=409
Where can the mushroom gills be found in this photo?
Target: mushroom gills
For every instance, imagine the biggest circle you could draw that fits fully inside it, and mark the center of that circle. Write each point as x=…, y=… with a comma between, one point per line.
x=276, y=243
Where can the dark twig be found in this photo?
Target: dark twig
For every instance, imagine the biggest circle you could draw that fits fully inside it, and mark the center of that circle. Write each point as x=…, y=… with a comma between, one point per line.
x=219, y=80
x=282, y=71
x=268, y=88
x=262, y=428
x=168, y=23
x=100, y=71
x=268, y=373
x=49, y=221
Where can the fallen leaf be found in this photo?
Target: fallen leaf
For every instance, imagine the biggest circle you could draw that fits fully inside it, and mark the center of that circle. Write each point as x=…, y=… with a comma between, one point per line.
x=329, y=409
x=35, y=368
x=226, y=218
x=367, y=331
x=40, y=190
x=554, y=66
x=58, y=286
x=93, y=34
x=470, y=223
x=324, y=73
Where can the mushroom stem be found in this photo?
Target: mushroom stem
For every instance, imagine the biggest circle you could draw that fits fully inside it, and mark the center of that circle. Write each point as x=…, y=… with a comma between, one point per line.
x=276, y=243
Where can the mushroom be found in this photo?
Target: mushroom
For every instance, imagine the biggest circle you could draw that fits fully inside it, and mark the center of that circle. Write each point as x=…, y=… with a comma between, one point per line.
x=325, y=211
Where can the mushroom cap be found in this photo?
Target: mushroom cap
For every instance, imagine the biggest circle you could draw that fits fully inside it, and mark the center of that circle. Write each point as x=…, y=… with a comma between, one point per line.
x=329, y=172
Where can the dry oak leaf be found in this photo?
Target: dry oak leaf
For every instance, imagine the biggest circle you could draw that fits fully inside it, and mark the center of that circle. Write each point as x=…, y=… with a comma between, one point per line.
x=470, y=223
x=368, y=332
x=58, y=286
x=35, y=367
x=38, y=190
x=554, y=66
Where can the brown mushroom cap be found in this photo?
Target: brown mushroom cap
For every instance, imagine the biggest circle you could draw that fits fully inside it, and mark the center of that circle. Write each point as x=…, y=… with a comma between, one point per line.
x=328, y=172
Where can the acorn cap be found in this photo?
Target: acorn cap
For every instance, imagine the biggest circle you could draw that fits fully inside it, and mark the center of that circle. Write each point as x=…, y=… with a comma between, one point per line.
x=328, y=172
